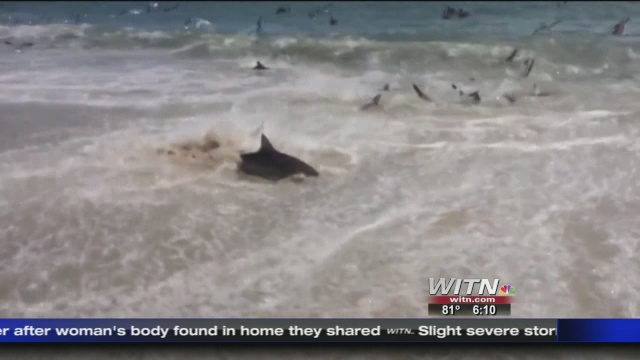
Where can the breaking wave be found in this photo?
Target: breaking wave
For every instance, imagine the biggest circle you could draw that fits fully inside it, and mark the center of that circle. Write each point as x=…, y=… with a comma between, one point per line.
x=409, y=52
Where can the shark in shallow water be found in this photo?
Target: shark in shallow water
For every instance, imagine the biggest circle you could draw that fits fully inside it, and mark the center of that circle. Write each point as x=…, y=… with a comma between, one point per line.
x=271, y=164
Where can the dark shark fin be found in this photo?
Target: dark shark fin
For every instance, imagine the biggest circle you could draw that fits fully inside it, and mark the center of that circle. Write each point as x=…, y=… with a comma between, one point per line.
x=475, y=96
x=374, y=102
x=417, y=90
x=265, y=145
x=529, y=64
x=421, y=95
x=510, y=97
x=618, y=28
x=512, y=55
x=259, y=66
x=454, y=87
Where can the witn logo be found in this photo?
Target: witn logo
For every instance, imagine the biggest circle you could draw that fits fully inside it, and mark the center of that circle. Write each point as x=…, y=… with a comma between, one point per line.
x=453, y=286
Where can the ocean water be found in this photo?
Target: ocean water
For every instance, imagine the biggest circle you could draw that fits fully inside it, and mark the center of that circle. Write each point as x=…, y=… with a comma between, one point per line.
x=110, y=206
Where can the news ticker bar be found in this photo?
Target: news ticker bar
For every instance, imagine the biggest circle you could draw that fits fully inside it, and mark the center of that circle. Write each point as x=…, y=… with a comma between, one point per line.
x=318, y=330
x=469, y=310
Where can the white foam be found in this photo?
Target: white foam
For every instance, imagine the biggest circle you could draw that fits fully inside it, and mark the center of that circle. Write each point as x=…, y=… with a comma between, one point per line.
x=102, y=225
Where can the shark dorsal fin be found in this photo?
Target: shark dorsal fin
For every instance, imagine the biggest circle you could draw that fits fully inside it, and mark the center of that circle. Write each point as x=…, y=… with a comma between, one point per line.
x=265, y=145
x=421, y=94
x=373, y=103
x=418, y=90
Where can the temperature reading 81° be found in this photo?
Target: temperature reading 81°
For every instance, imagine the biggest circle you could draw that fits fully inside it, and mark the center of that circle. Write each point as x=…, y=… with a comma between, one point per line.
x=450, y=309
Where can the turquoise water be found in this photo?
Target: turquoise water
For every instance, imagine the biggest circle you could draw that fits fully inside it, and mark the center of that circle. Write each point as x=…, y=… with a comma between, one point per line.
x=387, y=20
x=110, y=207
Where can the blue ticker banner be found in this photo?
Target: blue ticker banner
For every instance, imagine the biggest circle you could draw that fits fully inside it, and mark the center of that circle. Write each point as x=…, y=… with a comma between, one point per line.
x=430, y=330
x=599, y=330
